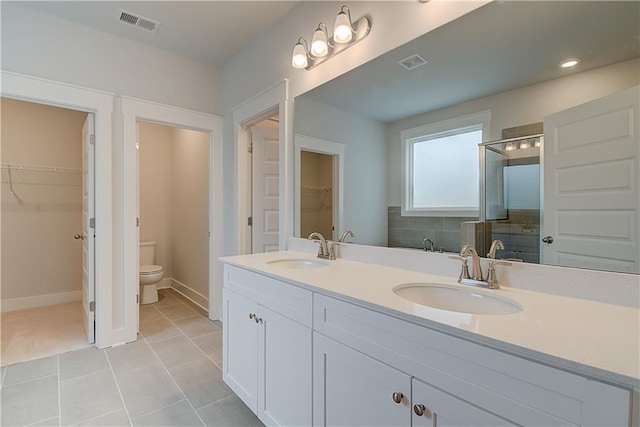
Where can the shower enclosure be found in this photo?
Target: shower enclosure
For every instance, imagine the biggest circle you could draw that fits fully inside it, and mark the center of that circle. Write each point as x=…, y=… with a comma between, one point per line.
x=510, y=197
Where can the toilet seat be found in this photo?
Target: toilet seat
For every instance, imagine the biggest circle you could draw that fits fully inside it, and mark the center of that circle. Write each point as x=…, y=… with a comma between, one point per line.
x=150, y=269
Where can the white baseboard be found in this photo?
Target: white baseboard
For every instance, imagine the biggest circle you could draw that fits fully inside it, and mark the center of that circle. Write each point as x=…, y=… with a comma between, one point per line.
x=193, y=296
x=14, y=304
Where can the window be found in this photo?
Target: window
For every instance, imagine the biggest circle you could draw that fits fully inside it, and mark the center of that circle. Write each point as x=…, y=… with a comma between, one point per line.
x=441, y=167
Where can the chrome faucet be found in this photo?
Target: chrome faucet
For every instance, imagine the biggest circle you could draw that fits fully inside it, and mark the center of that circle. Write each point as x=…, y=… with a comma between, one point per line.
x=326, y=249
x=345, y=234
x=475, y=261
x=431, y=244
x=496, y=244
x=477, y=278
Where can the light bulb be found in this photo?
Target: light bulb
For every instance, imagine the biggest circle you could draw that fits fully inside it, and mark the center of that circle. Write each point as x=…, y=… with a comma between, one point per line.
x=570, y=63
x=511, y=146
x=342, y=32
x=299, y=56
x=319, y=45
x=525, y=144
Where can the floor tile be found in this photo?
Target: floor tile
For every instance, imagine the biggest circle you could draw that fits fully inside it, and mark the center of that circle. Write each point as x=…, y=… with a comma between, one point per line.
x=114, y=419
x=82, y=362
x=51, y=422
x=32, y=370
x=87, y=397
x=178, y=414
x=159, y=329
x=196, y=326
x=177, y=311
x=201, y=381
x=129, y=357
x=147, y=390
x=149, y=312
x=211, y=344
x=229, y=412
x=176, y=351
x=165, y=298
x=29, y=402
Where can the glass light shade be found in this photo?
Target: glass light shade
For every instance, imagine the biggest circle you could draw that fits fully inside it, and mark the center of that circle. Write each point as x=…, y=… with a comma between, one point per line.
x=342, y=32
x=299, y=56
x=319, y=44
x=525, y=144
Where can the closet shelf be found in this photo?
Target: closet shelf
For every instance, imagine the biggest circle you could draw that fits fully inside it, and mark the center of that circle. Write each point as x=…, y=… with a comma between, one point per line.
x=13, y=174
x=316, y=188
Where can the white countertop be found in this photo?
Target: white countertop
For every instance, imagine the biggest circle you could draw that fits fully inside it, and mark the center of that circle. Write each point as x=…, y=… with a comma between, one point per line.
x=591, y=338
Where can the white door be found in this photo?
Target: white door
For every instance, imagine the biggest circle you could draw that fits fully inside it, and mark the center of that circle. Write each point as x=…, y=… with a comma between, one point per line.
x=265, y=229
x=88, y=230
x=352, y=389
x=240, y=347
x=591, y=182
x=284, y=370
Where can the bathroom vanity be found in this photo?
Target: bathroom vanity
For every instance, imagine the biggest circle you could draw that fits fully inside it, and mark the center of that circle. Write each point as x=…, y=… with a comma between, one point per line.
x=314, y=342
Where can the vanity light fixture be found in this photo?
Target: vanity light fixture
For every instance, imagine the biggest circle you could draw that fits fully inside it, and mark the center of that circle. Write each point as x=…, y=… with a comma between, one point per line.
x=568, y=63
x=345, y=34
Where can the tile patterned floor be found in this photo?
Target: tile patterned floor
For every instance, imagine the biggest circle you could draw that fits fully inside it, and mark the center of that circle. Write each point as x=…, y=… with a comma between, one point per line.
x=171, y=376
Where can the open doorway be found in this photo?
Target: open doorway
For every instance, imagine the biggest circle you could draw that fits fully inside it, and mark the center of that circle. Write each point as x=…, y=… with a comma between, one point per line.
x=173, y=189
x=48, y=287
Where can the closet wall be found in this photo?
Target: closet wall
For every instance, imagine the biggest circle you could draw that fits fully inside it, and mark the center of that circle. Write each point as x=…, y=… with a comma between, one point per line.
x=41, y=261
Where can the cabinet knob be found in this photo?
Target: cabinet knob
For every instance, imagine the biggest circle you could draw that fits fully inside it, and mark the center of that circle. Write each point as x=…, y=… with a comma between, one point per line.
x=397, y=397
x=548, y=239
x=419, y=409
x=252, y=316
x=258, y=319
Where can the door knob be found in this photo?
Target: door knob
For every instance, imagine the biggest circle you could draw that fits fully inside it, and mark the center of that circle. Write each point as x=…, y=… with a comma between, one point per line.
x=78, y=236
x=547, y=239
x=397, y=397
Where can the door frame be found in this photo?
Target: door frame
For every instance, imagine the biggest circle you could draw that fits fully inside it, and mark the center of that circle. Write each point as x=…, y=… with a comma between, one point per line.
x=100, y=103
x=273, y=100
x=335, y=150
x=134, y=110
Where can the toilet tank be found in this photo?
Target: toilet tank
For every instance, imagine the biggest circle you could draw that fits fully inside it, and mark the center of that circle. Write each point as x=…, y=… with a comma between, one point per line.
x=148, y=252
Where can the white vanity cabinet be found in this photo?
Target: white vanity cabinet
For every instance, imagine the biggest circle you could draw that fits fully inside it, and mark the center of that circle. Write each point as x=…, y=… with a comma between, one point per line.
x=267, y=346
x=447, y=380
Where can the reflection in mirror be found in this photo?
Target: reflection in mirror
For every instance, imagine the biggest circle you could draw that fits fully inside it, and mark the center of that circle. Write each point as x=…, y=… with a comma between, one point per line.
x=502, y=58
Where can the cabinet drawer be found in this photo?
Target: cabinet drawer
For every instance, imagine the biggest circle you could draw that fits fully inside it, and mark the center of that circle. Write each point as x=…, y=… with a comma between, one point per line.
x=519, y=390
x=288, y=300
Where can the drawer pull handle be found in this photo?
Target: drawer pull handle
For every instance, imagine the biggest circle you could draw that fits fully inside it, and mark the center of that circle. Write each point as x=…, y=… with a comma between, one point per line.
x=397, y=397
x=419, y=409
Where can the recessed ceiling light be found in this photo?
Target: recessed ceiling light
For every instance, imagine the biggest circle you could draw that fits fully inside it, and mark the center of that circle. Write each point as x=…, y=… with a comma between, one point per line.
x=568, y=63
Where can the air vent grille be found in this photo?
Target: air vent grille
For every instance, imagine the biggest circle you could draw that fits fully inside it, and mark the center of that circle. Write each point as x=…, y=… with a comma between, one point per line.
x=412, y=62
x=137, y=21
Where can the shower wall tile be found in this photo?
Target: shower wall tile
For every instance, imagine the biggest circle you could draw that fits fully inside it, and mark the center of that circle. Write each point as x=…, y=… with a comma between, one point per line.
x=410, y=231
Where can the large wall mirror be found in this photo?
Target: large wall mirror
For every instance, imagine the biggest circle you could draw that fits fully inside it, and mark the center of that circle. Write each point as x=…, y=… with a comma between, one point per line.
x=494, y=75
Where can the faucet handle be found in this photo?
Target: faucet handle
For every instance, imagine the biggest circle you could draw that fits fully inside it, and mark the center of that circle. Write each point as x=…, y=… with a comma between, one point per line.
x=464, y=271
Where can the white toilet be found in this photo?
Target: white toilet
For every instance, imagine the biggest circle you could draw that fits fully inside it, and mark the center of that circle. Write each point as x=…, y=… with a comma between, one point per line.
x=150, y=274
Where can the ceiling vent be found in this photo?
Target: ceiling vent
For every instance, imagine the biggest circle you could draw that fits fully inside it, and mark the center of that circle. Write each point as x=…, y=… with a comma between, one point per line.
x=412, y=62
x=137, y=21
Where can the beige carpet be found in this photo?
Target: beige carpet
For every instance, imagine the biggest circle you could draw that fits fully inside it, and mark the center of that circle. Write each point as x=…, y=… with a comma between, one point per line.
x=39, y=332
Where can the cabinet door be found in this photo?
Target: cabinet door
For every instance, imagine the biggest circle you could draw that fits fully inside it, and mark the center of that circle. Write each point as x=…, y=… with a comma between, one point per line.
x=240, y=347
x=351, y=389
x=284, y=370
x=440, y=409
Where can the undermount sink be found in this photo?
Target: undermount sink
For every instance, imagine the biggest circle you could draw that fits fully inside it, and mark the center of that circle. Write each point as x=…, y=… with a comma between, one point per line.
x=446, y=297
x=298, y=264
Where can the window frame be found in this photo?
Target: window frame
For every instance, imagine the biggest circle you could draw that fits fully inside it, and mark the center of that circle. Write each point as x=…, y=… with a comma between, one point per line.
x=409, y=137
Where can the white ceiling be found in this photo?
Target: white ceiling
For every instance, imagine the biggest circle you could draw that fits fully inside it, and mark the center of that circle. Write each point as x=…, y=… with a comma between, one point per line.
x=498, y=47
x=211, y=32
